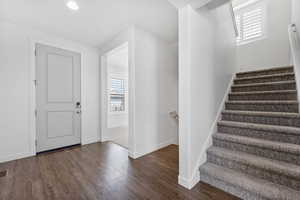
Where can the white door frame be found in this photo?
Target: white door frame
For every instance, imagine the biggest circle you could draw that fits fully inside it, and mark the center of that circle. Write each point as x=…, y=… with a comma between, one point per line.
x=32, y=88
x=131, y=96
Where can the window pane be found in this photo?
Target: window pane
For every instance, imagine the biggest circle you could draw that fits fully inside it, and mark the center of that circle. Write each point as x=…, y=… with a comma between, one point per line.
x=117, y=95
x=250, y=22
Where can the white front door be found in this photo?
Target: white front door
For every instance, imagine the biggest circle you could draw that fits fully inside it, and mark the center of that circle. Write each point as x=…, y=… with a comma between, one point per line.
x=58, y=95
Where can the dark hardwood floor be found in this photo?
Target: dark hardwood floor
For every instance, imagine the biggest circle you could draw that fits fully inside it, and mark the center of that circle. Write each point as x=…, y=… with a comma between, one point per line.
x=99, y=171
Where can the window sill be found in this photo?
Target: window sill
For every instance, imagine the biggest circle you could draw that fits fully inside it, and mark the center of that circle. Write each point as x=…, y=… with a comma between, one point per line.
x=118, y=113
x=251, y=41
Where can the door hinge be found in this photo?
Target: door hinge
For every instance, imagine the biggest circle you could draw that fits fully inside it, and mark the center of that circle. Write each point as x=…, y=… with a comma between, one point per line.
x=35, y=52
x=35, y=142
x=35, y=83
x=35, y=113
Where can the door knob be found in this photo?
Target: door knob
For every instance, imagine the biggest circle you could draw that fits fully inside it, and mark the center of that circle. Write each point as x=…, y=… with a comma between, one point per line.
x=78, y=104
x=78, y=111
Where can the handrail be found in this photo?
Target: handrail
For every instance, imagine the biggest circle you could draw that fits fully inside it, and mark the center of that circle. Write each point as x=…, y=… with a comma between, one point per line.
x=295, y=50
x=233, y=20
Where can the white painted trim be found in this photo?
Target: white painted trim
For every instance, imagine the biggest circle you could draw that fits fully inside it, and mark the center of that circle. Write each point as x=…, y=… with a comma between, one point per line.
x=32, y=89
x=16, y=156
x=189, y=184
x=131, y=91
x=203, y=156
x=136, y=155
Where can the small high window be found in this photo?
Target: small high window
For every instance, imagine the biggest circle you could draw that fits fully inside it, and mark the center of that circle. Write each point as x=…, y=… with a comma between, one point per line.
x=250, y=20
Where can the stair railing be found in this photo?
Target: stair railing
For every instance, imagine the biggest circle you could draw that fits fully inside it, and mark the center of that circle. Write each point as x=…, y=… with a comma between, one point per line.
x=233, y=20
x=295, y=50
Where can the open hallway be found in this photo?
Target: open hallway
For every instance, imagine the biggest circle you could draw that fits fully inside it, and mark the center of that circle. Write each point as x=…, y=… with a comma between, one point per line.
x=99, y=171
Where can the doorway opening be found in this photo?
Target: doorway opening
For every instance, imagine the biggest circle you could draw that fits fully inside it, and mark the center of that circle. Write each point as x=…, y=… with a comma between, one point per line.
x=116, y=96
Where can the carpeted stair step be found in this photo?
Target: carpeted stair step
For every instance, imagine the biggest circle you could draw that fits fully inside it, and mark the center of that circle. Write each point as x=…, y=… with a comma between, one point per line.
x=270, y=118
x=256, y=151
x=277, y=70
x=278, y=95
x=265, y=78
x=275, y=171
x=244, y=186
x=269, y=86
x=267, y=106
x=261, y=131
x=269, y=149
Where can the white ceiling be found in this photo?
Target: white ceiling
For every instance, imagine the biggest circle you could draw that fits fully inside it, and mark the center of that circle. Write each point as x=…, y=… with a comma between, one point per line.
x=238, y=2
x=96, y=21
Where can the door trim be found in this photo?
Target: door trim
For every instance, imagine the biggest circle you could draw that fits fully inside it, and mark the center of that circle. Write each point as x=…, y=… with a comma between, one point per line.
x=131, y=95
x=32, y=89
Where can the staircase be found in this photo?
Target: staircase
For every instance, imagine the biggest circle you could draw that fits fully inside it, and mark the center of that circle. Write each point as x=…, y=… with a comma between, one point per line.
x=256, y=152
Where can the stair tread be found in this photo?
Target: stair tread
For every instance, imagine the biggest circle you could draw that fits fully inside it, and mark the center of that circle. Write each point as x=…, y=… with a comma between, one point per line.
x=265, y=70
x=256, y=185
x=261, y=113
x=265, y=76
x=263, y=92
x=263, y=84
x=266, y=148
x=287, y=169
x=265, y=127
x=262, y=102
x=276, y=146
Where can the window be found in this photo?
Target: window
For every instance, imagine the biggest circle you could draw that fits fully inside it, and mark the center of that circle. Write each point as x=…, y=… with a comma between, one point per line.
x=117, y=95
x=250, y=21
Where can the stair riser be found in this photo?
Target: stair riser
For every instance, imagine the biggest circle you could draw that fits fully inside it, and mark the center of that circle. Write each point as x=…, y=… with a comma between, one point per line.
x=260, y=134
x=229, y=188
x=270, y=120
x=262, y=97
x=263, y=152
x=262, y=73
x=292, y=108
x=285, y=86
x=272, y=176
x=289, y=77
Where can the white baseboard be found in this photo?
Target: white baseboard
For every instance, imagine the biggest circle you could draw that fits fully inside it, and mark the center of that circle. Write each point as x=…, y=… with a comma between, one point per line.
x=189, y=183
x=90, y=141
x=29, y=154
x=136, y=155
x=16, y=157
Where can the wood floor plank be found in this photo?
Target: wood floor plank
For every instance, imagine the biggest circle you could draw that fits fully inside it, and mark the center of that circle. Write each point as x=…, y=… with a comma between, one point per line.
x=100, y=171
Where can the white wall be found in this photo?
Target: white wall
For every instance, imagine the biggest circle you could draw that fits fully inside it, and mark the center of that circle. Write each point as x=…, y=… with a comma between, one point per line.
x=296, y=14
x=17, y=89
x=207, y=62
x=152, y=90
x=274, y=49
x=156, y=95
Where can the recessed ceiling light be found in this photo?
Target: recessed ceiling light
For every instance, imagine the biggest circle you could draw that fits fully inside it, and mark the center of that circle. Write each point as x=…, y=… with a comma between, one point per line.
x=72, y=5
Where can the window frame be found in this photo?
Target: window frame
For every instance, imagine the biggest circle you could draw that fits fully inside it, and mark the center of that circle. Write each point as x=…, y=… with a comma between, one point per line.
x=239, y=10
x=123, y=77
